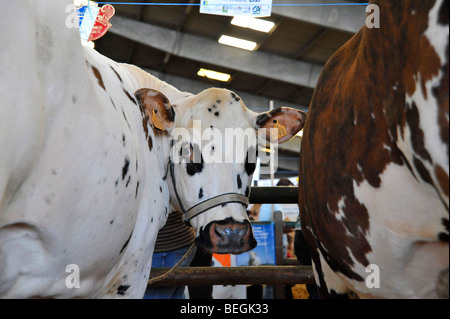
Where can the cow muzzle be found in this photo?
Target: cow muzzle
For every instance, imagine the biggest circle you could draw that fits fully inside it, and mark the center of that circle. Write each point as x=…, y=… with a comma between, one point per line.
x=227, y=237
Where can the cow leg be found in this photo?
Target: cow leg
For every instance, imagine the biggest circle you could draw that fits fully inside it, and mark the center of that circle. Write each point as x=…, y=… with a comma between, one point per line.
x=22, y=258
x=329, y=283
x=442, y=284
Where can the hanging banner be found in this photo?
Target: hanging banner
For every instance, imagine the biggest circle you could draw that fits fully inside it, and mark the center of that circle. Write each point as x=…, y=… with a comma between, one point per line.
x=248, y=8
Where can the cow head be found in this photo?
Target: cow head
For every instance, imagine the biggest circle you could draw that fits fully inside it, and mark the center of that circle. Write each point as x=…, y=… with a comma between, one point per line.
x=212, y=159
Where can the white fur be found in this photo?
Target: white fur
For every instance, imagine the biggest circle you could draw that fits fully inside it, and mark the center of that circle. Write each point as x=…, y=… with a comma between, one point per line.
x=428, y=106
x=402, y=218
x=61, y=152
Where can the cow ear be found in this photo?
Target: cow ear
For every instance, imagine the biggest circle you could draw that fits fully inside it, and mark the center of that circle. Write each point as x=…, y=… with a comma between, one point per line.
x=156, y=107
x=280, y=124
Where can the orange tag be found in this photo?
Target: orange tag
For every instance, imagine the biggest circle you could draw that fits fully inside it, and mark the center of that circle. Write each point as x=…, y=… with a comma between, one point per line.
x=279, y=131
x=156, y=122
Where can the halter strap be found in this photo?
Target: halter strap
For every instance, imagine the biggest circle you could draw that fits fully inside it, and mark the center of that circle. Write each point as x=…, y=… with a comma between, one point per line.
x=216, y=201
x=206, y=204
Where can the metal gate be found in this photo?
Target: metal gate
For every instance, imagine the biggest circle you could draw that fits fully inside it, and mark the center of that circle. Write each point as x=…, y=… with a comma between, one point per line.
x=284, y=272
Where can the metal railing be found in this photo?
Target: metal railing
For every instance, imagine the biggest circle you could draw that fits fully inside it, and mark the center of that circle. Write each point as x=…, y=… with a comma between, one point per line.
x=280, y=274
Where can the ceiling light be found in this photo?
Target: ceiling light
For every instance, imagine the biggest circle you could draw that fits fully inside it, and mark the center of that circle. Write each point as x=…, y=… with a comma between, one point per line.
x=253, y=23
x=210, y=74
x=238, y=43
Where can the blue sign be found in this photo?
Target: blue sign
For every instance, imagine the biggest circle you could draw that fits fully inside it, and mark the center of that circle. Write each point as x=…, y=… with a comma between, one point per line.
x=264, y=252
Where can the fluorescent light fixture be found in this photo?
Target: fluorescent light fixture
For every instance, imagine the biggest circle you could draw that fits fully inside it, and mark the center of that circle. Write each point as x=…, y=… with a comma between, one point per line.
x=253, y=23
x=238, y=43
x=210, y=74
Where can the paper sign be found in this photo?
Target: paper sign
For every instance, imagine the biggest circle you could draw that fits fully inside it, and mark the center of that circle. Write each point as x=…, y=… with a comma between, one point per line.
x=87, y=16
x=94, y=21
x=248, y=8
x=102, y=24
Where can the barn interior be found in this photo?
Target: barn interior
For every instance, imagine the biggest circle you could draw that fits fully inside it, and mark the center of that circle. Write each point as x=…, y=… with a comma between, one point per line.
x=174, y=42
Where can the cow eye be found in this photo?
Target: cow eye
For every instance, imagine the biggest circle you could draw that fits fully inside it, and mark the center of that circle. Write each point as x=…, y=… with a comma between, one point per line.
x=195, y=163
x=187, y=152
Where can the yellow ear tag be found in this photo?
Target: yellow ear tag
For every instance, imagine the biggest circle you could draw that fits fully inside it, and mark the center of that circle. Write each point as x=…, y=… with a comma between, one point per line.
x=156, y=122
x=279, y=131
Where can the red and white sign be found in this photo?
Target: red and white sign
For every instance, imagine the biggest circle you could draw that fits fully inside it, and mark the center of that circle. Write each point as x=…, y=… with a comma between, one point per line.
x=102, y=25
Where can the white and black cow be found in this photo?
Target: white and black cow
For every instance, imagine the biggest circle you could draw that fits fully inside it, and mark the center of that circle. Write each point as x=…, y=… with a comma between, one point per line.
x=88, y=169
x=374, y=164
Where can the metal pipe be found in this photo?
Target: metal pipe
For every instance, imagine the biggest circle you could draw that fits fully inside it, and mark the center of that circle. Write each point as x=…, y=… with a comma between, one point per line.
x=242, y=275
x=274, y=195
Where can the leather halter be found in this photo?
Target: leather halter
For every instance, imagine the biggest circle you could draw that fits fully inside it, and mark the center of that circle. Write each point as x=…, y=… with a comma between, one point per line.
x=205, y=205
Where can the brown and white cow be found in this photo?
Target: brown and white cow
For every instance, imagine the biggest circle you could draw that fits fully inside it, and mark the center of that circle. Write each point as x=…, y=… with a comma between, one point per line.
x=374, y=164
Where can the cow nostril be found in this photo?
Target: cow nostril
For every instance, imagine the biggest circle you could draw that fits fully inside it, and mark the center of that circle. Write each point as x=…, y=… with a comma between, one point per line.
x=242, y=231
x=230, y=233
x=232, y=237
x=222, y=232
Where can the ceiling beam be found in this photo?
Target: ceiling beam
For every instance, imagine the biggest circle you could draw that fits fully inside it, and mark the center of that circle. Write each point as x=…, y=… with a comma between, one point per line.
x=343, y=18
x=209, y=51
x=254, y=102
x=310, y=44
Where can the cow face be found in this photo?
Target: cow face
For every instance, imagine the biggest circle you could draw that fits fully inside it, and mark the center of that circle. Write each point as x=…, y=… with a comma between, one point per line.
x=212, y=157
